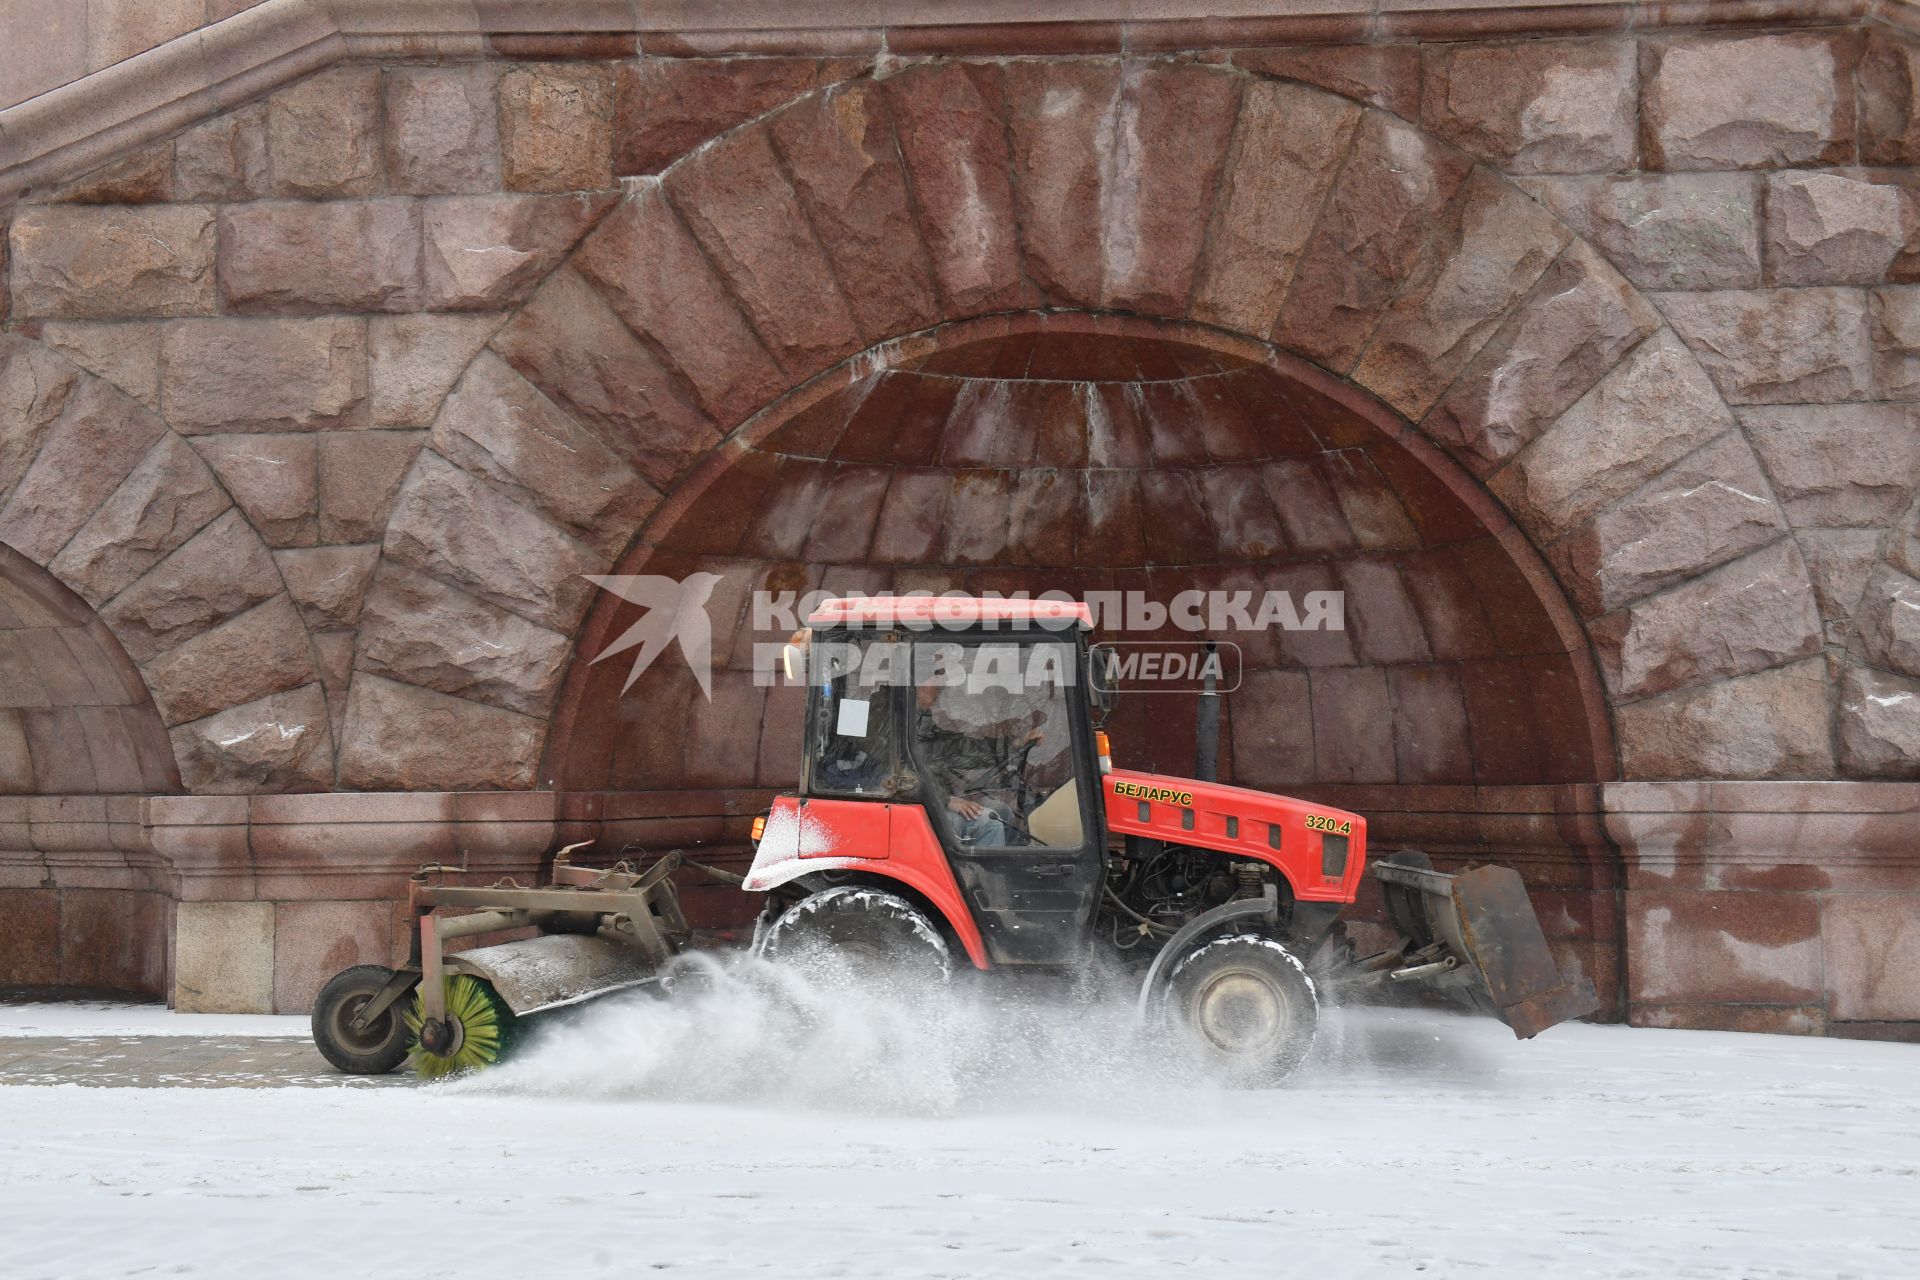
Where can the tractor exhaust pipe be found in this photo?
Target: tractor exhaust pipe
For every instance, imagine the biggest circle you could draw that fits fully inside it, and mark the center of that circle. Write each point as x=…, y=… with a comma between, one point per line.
x=1206, y=750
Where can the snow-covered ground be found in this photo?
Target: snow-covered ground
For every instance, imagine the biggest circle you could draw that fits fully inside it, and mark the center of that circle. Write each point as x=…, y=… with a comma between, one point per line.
x=754, y=1132
x=120, y=1018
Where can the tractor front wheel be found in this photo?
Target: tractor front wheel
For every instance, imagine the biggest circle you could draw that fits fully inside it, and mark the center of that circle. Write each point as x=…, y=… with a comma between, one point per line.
x=1246, y=1004
x=862, y=933
x=370, y=1050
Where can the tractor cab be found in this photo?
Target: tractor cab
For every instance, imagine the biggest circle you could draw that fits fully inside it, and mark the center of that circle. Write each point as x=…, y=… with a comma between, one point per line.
x=977, y=714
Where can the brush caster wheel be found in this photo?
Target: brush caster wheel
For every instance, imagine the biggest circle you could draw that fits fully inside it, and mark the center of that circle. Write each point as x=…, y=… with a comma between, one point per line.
x=477, y=1032
x=372, y=1050
x=1246, y=1005
x=867, y=934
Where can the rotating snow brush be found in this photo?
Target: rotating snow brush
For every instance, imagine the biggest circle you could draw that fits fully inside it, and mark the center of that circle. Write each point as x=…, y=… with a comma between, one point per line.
x=479, y=1030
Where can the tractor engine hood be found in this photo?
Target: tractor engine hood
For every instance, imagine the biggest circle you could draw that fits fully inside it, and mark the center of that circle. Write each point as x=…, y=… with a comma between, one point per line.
x=1321, y=850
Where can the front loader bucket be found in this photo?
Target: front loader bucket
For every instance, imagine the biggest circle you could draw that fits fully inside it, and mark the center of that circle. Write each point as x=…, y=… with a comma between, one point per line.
x=1475, y=937
x=554, y=969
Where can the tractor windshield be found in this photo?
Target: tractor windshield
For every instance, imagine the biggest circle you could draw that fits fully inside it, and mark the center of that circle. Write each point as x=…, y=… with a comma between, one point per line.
x=993, y=739
x=851, y=723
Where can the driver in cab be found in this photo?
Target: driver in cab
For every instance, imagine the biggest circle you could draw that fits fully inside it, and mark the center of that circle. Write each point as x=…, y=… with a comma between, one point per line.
x=968, y=764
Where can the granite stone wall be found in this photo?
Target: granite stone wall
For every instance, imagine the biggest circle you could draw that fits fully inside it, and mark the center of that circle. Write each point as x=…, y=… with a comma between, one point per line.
x=321, y=400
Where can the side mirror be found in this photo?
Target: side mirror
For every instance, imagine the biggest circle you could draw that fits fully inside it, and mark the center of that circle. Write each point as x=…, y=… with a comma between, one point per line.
x=1104, y=673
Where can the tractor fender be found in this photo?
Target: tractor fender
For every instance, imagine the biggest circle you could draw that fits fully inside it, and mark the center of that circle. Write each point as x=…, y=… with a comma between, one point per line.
x=1266, y=907
x=881, y=840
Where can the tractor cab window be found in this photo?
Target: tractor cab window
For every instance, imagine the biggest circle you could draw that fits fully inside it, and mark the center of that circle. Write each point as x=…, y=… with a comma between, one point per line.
x=850, y=722
x=992, y=738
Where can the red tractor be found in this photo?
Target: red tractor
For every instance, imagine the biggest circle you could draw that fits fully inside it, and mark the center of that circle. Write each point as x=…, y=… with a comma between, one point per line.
x=957, y=799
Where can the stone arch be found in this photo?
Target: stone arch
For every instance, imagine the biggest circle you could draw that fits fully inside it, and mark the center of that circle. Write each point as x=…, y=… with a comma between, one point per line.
x=1880, y=686
x=101, y=496
x=852, y=481
x=1163, y=189
x=75, y=716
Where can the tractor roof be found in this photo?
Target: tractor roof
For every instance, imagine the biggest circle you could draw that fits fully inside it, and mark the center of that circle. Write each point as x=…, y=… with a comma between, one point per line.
x=949, y=611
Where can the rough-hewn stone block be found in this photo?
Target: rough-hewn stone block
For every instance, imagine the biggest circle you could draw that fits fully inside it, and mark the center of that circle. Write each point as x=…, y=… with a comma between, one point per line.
x=1889, y=619
x=141, y=177
x=1842, y=464
x=1832, y=228
x=1747, y=102
x=665, y=107
x=442, y=129
x=1878, y=724
x=1170, y=134
x=414, y=360
x=1773, y=724
x=215, y=574
x=481, y=252
x=1752, y=614
x=1577, y=323
x=328, y=583
x=397, y=736
x=847, y=172
x=658, y=281
x=1700, y=512
x=124, y=352
x=1838, y=561
x=1547, y=106
x=1485, y=255
x=260, y=652
x=568, y=342
x=97, y=440
x=421, y=631
x=1060, y=123
x=1889, y=124
x=1896, y=341
x=1666, y=231
x=323, y=134
x=224, y=158
x=78, y=261
x=1289, y=144
x=1384, y=75
x=360, y=472
x=950, y=123
x=1393, y=189
x=556, y=127
x=277, y=744
x=340, y=255
x=457, y=526
x=1777, y=346
x=35, y=388
x=498, y=425
x=738, y=202
x=166, y=499
x=1654, y=409
x=274, y=477
x=264, y=375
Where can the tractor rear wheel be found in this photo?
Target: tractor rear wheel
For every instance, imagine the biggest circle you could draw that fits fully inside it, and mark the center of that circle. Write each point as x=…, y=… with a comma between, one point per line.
x=372, y=1050
x=1246, y=1004
x=859, y=932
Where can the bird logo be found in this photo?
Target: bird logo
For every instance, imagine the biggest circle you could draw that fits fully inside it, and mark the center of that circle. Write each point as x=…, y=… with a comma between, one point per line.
x=675, y=610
